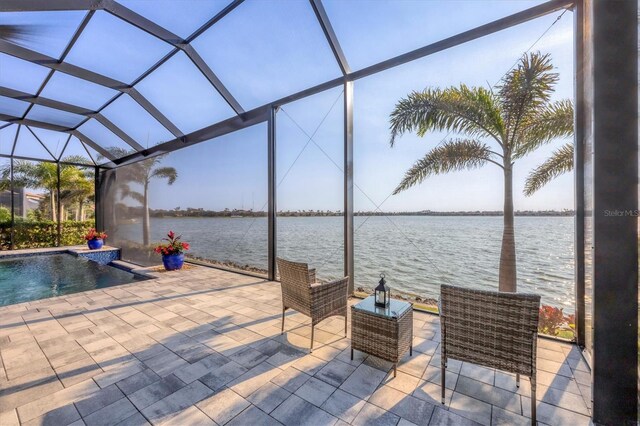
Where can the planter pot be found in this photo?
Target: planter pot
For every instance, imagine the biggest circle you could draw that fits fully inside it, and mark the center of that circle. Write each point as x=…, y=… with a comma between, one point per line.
x=95, y=244
x=173, y=262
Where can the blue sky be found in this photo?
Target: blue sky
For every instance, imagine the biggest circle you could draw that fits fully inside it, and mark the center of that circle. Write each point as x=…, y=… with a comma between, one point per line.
x=265, y=50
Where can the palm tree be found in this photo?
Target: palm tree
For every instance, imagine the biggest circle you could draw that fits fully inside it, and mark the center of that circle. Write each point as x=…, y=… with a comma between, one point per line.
x=515, y=121
x=43, y=175
x=143, y=172
x=560, y=162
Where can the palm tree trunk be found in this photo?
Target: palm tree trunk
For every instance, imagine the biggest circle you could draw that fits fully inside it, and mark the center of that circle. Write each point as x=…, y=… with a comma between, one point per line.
x=52, y=198
x=507, y=277
x=145, y=216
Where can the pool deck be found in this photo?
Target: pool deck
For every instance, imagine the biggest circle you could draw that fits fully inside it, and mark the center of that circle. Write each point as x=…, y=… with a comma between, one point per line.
x=203, y=346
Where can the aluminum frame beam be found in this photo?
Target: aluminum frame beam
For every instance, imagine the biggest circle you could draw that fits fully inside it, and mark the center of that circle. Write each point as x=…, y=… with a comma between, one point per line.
x=62, y=106
x=177, y=42
x=82, y=73
x=330, y=35
x=38, y=100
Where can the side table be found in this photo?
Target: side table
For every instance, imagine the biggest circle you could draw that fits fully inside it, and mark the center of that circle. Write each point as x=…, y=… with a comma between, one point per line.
x=383, y=332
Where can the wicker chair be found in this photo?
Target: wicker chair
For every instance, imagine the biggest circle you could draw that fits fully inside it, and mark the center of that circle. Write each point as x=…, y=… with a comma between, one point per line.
x=493, y=329
x=301, y=292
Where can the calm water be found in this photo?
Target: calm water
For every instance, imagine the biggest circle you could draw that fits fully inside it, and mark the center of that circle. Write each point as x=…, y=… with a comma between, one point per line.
x=42, y=276
x=417, y=253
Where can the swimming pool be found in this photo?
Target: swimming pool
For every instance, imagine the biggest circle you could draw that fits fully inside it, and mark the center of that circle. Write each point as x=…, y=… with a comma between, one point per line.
x=23, y=279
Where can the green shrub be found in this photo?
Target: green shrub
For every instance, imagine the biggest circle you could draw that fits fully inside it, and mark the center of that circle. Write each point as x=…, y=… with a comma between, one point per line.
x=28, y=234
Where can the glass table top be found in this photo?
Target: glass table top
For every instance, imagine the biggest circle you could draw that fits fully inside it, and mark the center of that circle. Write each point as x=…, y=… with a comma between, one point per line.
x=395, y=309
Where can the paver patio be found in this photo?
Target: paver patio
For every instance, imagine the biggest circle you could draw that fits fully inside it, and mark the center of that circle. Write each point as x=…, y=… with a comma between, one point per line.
x=203, y=346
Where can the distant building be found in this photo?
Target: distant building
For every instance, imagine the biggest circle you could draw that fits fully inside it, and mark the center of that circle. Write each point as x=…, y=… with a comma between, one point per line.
x=23, y=201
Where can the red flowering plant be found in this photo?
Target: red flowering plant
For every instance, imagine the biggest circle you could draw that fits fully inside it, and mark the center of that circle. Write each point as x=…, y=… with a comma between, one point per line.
x=92, y=234
x=173, y=245
x=551, y=318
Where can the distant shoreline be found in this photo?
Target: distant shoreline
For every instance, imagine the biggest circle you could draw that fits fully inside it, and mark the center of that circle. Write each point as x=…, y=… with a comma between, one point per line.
x=200, y=213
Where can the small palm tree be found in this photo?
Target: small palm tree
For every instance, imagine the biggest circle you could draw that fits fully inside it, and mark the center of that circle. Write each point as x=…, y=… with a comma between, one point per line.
x=560, y=162
x=515, y=121
x=143, y=172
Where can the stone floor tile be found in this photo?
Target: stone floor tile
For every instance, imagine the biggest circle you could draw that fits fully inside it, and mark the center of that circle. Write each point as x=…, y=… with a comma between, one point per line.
x=315, y=391
x=489, y=394
x=442, y=417
x=191, y=372
x=268, y=397
x=189, y=416
x=136, y=420
x=310, y=364
x=98, y=400
x=165, y=363
x=253, y=379
x=25, y=389
x=223, y=375
x=500, y=417
x=363, y=381
x=156, y=391
x=248, y=357
x=118, y=373
x=291, y=379
x=553, y=415
x=403, y=382
x=371, y=415
x=343, y=405
x=111, y=414
x=167, y=407
x=295, y=411
x=433, y=374
x=478, y=372
x=471, y=408
x=9, y=418
x=406, y=406
x=78, y=371
x=60, y=416
x=58, y=399
x=562, y=399
x=253, y=416
x=335, y=372
x=138, y=381
x=223, y=406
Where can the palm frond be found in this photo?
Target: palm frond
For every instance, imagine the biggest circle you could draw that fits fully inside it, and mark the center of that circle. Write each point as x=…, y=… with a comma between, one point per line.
x=525, y=89
x=451, y=156
x=127, y=192
x=18, y=33
x=168, y=173
x=554, y=120
x=560, y=162
x=470, y=111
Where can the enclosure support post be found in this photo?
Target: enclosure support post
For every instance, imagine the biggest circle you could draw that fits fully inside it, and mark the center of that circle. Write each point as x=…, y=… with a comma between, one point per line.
x=13, y=213
x=579, y=133
x=58, y=207
x=348, y=184
x=271, y=215
x=611, y=94
x=97, y=200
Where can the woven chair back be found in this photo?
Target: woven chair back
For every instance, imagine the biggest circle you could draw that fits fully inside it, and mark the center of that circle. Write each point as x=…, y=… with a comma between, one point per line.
x=494, y=329
x=294, y=278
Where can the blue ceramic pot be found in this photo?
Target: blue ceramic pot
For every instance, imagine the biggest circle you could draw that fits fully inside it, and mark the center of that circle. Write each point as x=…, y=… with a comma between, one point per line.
x=95, y=244
x=173, y=262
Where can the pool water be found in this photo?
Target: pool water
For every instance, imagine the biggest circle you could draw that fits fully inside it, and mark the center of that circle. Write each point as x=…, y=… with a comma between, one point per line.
x=38, y=277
